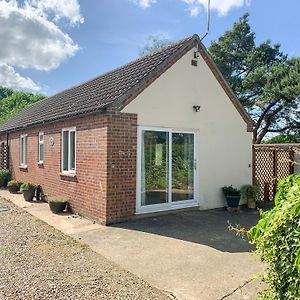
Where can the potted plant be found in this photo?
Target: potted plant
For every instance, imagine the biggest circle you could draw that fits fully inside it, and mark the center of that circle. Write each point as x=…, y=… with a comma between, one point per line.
x=57, y=204
x=250, y=193
x=232, y=196
x=14, y=186
x=5, y=176
x=28, y=190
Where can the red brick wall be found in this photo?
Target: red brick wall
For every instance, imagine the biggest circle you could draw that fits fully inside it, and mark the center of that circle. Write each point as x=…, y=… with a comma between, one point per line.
x=121, y=170
x=104, y=186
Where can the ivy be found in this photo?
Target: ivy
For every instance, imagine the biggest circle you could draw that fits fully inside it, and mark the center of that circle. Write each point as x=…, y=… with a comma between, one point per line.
x=277, y=239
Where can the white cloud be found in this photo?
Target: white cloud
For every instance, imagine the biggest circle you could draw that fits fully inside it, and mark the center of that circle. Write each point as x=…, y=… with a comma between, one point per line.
x=194, y=6
x=69, y=9
x=10, y=78
x=221, y=6
x=144, y=3
x=29, y=40
x=194, y=11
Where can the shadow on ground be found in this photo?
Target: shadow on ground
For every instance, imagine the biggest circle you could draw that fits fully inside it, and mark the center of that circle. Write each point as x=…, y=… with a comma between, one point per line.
x=209, y=228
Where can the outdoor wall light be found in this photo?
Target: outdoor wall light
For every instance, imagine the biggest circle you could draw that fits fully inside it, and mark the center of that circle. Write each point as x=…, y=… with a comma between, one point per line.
x=197, y=108
x=51, y=141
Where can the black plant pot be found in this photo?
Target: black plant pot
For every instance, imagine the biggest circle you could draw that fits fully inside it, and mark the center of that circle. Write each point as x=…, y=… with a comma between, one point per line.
x=3, y=183
x=266, y=205
x=233, y=201
x=13, y=189
x=28, y=194
x=57, y=207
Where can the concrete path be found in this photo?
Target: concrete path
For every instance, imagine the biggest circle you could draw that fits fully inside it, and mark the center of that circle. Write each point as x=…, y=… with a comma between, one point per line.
x=190, y=255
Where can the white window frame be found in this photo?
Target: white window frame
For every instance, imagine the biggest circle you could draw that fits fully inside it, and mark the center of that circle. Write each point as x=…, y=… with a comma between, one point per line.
x=40, y=161
x=69, y=171
x=23, y=151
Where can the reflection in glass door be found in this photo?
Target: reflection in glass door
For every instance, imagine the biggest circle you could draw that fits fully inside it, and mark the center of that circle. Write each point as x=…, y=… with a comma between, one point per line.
x=154, y=181
x=182, y=166
x=167, y=167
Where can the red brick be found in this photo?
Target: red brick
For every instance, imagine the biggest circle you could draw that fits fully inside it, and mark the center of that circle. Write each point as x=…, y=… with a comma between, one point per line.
x=105, y=183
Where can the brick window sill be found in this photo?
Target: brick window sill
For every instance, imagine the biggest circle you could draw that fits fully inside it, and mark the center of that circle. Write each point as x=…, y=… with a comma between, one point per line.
x=23, y=168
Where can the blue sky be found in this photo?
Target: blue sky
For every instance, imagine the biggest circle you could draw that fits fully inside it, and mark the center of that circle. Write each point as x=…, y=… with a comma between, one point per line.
x=105, y=34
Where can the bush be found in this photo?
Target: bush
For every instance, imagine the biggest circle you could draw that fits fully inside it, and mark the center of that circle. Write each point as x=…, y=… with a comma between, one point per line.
x=28, y=185
x=14, y=183
x=250, y=192
x=5, y=174
x=277, y=239
x=230, y=191
x=58, y=199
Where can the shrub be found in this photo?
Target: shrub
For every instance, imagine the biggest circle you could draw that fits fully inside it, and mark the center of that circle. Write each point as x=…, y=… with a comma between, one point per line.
x=58, y=199
x=250, y=192
x=28, y=185
x=230, y=191
x=14, y=183
x=277, y=239
x=5, y=174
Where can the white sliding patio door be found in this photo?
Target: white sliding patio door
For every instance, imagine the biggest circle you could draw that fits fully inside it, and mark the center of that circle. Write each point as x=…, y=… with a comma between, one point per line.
x=166, y=169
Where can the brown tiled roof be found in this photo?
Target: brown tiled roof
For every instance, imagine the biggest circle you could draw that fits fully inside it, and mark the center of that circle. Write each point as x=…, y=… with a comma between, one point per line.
x=111, y=91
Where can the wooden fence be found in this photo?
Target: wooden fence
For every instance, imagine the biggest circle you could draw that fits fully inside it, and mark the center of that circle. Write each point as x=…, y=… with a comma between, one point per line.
x=271, y=163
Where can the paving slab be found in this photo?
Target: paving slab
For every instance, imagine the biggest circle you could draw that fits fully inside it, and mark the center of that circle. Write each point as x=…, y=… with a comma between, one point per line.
x=190, y=255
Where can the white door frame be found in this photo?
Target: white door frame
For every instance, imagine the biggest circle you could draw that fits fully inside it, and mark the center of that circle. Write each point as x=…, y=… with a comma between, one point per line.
x=169, y=205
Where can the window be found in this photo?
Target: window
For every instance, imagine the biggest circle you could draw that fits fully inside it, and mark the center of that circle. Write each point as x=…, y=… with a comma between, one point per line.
x=23, y=151
x=69, y=150
x=41, y=147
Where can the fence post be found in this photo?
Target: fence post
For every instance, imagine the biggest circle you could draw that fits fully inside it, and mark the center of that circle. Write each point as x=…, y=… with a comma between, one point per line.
x=253, y=164
x=275, y=174
x=292, y=160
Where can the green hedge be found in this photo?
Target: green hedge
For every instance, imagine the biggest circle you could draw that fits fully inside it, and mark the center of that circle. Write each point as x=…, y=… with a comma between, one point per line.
x=277, y=239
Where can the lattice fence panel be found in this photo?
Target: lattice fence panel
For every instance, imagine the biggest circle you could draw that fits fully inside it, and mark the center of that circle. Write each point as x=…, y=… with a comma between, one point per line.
x=284, y=161
x=271, y=164
x=3, y=156
x=264, y=172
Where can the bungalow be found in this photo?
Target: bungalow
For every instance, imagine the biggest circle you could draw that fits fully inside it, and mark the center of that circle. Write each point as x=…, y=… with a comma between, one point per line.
x=163, y=132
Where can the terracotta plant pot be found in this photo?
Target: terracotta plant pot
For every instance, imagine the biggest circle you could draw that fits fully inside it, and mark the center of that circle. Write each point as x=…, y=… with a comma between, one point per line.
x=251, y=203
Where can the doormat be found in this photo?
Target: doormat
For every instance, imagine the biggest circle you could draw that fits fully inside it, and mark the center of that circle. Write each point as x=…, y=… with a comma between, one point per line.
x=2, y=209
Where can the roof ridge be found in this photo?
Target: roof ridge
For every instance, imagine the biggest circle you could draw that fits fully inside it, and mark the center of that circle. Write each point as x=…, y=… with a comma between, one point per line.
x=123, y=66
x=115, y=89
x=100, y=92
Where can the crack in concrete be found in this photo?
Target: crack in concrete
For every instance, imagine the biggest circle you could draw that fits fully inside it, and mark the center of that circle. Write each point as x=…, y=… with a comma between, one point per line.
x=236, y=289
x=169, y=295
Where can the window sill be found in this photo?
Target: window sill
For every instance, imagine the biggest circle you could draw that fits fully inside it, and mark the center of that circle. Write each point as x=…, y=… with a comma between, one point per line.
x=23, y=168
x=66, y=174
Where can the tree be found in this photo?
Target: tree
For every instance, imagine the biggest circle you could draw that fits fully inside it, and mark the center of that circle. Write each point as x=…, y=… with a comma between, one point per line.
x=154, y=43
x=264, y=79
x=283, y=139
x=11, y=102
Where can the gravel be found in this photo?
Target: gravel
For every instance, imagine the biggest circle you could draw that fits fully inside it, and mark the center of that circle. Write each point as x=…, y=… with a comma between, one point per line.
x=39, y=262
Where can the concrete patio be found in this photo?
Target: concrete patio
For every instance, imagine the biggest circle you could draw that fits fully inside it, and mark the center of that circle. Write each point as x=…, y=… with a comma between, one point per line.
x=189, y=255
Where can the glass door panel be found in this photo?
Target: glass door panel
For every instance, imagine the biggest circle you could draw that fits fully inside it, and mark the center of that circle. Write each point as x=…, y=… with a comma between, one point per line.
x=182, y=166
x=154, y=167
